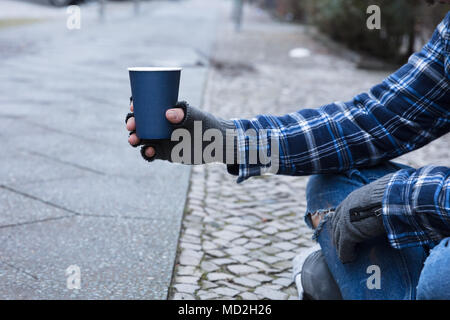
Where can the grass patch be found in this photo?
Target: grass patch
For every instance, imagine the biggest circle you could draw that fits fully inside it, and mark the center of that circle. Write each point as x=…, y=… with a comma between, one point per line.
x=13, y=22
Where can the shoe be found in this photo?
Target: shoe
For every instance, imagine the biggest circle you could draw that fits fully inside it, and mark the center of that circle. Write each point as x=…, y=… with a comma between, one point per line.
x=317, y=280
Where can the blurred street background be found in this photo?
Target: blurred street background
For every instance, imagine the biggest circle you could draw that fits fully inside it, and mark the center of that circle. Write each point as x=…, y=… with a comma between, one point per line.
x=74, y=193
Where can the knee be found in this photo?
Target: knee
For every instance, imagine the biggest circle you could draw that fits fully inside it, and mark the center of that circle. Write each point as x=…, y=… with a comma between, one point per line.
x=326, y=191
x=319, y=184
x=434, y=281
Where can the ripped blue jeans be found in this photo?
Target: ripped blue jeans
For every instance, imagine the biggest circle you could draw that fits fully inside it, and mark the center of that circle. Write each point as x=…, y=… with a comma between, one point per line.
x=379, y=272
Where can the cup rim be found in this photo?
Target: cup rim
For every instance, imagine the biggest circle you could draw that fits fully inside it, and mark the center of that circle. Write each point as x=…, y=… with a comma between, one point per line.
x=154, y=69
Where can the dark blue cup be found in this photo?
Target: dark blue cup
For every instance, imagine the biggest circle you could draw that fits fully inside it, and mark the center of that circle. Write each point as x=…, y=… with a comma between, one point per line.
x=154, y=90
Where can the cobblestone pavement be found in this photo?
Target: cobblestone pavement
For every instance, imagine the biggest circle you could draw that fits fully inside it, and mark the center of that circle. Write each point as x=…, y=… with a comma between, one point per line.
x=238, y=241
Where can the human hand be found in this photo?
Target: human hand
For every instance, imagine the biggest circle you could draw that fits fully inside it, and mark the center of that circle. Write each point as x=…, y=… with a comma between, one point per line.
x=358, y=218
x=183, y=116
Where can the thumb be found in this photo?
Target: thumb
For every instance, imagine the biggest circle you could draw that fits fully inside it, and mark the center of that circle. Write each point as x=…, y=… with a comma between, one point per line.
x=175, y=115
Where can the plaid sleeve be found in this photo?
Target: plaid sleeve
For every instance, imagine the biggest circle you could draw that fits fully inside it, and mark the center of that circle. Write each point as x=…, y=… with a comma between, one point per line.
x=404, y=112
x=416, y=206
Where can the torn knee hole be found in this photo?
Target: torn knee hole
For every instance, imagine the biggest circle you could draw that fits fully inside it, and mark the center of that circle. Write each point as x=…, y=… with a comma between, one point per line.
x=317, y=216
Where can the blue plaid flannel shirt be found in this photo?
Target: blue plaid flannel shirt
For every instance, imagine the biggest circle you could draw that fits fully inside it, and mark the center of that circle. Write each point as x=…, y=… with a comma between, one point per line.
x=405, y=111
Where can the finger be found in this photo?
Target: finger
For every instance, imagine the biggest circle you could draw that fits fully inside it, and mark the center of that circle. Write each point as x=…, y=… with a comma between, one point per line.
x=133, y=139
x=131, y=124
x=175, y=115
x=131, y=106
x=150, y=152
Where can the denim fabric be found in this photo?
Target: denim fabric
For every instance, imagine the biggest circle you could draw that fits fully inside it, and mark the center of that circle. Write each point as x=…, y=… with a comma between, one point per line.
x=434, y=282
x=399, y=270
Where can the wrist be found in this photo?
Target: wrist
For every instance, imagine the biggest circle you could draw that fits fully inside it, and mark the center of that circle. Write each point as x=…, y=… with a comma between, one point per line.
x=378, y=188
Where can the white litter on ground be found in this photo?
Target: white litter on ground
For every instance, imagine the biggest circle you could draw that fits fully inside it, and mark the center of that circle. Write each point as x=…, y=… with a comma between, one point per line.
x=298, y=53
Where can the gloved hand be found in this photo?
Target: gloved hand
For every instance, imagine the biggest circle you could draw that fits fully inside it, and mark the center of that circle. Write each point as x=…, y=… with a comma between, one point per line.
x=186, y=116
x=358, y=218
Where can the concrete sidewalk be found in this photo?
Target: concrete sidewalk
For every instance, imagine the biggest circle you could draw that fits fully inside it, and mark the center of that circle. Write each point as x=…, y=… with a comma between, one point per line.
x=72, y=191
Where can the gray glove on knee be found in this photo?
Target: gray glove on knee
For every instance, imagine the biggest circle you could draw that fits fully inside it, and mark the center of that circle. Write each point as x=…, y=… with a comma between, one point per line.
x=358, y=218
x=191, y=122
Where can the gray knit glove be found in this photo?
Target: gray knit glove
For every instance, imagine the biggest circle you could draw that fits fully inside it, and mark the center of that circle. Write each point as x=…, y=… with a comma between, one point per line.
x=358, y=218
x=163, y=148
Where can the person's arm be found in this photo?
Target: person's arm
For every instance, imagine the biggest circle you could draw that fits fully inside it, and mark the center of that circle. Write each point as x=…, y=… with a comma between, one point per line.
x=406, y=111
x=411, y=207
x=416, y=206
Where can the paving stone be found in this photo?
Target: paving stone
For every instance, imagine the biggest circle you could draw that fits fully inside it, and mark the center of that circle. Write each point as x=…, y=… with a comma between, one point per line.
x=221, y=242
x=183, y=296
x=208, y=284
x=236, y=228
x=284, y=282
x=216, y=253
x=252, y=233
x=287, y=246
x=222, y=262
x=208, y=266
x=227, y=235
x=271, y=294
x=239, y=221
x=209, y=245
x=214, y=276
x=185, y=270
x=292, y=290
x=236, y=251
x=280, y=213
x=286, y=274
x=281, y=226
x=233, y=286
x=187, y=279
x=260, y=265
x=190, y=258
x=206, y=295
x=186, y=288
x=270, y=230
x=270, y=259
x=271, y=250
x=247, y=282
x=225, y=291
x=256, y=254
x=240, y=241
x=191, y=239
x=287, y=255
x=198, y=213
x=252, y=245
x=259, y=277
x=241, y=258
x=248, y=296
x=287, y=235
x=241, y=269
x=187, y=245
x=262, y=241
x=283, y=265
x=273, y=286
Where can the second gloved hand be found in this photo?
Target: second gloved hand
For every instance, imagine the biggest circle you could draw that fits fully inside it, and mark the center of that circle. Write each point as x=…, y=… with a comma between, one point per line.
x=358, y=218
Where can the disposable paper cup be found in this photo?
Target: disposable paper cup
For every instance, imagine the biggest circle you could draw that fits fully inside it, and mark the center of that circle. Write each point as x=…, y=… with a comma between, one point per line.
x=154, y=90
